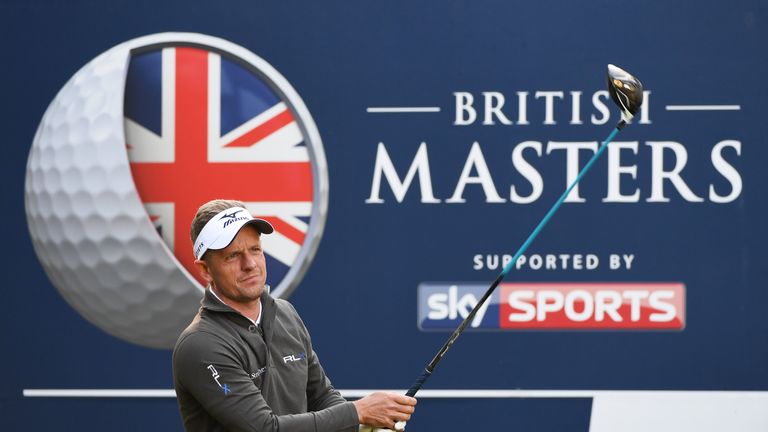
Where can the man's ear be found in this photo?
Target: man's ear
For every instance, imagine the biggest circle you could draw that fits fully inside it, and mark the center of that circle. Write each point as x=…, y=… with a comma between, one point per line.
x=205, y=272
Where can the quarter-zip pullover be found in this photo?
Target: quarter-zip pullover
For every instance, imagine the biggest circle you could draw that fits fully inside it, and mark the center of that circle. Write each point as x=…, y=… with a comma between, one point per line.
x=231, y=375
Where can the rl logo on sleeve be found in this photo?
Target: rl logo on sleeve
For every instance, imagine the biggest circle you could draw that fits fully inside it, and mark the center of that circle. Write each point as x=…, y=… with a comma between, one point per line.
x=215, y=375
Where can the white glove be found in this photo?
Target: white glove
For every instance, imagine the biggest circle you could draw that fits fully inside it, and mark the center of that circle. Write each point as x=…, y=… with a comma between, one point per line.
x=399, y=427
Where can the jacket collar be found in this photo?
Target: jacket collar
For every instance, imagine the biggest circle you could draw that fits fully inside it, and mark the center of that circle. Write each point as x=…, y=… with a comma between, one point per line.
x=211, y=303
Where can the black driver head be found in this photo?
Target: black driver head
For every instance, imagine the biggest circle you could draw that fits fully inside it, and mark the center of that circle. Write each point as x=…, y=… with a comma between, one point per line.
x=625, y=90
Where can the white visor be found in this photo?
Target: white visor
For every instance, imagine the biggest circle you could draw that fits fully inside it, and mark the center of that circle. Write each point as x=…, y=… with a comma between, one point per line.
x=222, y=228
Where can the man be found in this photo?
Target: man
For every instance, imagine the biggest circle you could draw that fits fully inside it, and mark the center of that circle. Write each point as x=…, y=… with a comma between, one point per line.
x=246, y=362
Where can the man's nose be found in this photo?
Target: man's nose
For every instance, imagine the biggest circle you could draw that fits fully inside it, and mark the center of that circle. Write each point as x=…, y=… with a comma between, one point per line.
x=249, y=262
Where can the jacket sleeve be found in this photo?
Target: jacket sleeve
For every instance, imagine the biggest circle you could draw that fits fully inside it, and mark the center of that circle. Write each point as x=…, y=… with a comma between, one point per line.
x=321, y=395
x=210, y=370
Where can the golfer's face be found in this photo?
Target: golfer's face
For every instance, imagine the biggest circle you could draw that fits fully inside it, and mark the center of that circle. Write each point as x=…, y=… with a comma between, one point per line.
x=239, y=271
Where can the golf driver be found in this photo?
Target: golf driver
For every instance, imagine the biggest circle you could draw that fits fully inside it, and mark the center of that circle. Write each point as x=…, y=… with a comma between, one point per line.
x=627, y=92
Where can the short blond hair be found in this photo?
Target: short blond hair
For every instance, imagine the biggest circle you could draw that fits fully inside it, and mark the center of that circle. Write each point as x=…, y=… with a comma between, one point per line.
x=209, y=210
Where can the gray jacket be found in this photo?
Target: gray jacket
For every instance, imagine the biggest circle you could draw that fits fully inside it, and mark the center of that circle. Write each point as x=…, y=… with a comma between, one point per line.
x=228, y=379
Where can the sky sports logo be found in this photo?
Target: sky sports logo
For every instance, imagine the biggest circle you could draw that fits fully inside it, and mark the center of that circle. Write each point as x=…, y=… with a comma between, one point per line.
x=554, y=306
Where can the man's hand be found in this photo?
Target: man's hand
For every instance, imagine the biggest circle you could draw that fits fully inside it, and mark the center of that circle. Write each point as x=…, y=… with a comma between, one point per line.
x=399, y=427
x=384, y=409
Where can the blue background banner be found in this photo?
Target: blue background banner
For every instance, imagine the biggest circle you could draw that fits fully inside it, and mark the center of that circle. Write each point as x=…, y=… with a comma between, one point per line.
x=682, y=194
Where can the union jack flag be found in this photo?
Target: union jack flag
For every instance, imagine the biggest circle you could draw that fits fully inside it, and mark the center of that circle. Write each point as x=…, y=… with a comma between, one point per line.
x=200, y=125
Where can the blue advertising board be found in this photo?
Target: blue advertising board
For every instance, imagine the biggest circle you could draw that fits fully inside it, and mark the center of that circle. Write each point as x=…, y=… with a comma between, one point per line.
x=403, y=151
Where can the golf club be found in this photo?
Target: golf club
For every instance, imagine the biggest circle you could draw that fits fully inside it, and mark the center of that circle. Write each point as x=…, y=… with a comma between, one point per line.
x=627, y=92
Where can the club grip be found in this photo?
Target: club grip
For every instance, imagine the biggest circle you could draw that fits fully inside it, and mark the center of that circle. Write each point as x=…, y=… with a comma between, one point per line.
x=419, y=382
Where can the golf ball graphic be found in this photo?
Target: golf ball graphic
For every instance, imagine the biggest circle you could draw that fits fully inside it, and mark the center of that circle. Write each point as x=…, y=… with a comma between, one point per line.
x=108, y=215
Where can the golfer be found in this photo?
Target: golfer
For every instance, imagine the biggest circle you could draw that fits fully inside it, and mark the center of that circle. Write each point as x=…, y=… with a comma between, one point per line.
x=246, y=362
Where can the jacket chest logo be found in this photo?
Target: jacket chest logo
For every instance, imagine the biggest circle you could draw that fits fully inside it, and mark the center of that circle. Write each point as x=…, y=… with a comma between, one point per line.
x=294, y=357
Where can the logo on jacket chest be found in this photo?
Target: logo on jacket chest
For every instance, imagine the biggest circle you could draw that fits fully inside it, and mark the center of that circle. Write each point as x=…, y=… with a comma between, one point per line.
x=294, y=357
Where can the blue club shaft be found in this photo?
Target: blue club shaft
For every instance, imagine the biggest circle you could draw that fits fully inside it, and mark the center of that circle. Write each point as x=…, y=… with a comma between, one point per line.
x=431, y=366
x=559, y=202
